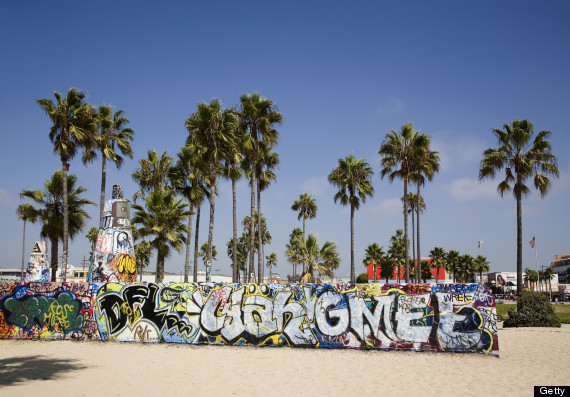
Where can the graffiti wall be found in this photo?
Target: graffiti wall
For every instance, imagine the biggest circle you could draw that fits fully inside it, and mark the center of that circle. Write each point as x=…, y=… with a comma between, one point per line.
x=456, y=318
x=113, y=258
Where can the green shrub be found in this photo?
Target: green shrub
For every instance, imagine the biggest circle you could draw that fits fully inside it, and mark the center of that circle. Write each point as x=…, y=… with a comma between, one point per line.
x=533, y=310
x=362, y=278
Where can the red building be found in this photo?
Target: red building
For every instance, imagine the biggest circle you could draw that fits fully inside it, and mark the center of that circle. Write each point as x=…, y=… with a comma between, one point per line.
x=441, y=276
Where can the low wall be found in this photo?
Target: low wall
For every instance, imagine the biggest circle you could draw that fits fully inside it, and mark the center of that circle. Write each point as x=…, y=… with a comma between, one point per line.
x=458, y=318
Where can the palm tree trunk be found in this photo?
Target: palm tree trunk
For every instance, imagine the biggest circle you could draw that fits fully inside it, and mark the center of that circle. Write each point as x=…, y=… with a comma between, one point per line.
x=414, y=247
x=235, y=273
x=196, y=243
x=188, y=240
x=65, y=253
x=519, y=237
x=23, y=250
x=259, y=242
x=103, y=180
x=159, y=268
x=212, y=208
x=252, y=224
x=418, y=228
x=406, y=249
x=352, y=275
x=54, y=254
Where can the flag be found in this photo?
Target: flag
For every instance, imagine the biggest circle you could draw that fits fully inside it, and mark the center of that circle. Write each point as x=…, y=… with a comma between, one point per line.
x=532, y=242
x=479, y=243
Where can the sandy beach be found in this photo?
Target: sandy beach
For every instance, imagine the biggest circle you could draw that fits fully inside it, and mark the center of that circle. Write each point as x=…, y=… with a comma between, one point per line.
x=528, y=357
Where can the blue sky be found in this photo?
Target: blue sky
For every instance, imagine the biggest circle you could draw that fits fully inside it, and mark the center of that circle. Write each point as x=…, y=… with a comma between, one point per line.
x=342, y=75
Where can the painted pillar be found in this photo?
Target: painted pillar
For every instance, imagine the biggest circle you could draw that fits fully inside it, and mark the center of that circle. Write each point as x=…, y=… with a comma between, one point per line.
x=38, y=267
x=114, y=256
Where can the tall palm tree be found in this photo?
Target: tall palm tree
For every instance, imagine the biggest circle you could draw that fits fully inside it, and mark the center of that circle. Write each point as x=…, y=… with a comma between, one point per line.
x=51, y=212
x=257, y=117
x=452, y=261
x=323, y=260
x=210, y=128
x=27, y=213
x=73, y=127
x=425, y=167
x=112, y=137
x=271, y=261
x=481, y=265
x=306, y=206
x=438, y=256
x=374, y=255
x=233, y=156
x=398, y=153
x=523, y=158
x=162, y=217
x=187, y=179
x=292, y=249
x=353, y=178
x=153, y=174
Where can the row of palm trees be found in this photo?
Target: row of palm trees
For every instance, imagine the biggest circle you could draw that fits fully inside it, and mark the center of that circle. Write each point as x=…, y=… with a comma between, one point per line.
x=239, y=142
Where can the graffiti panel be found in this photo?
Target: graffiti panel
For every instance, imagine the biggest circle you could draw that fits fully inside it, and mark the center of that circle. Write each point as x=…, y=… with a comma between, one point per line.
x=38, y=267
x=455, y=318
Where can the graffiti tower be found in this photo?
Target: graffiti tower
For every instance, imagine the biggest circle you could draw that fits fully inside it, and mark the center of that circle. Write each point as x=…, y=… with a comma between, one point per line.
x=113, y=259
x=38, y=266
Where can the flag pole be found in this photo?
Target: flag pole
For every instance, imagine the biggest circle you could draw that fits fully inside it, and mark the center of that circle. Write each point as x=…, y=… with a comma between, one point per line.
x=536, y=254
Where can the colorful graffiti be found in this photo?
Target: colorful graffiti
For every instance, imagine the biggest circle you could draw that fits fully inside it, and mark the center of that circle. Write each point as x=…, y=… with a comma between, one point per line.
x=433, y=318
x=38, y=266
x=113, y=258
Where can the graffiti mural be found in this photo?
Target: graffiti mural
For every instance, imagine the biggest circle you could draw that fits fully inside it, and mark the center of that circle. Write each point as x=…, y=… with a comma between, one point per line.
x=113, y=258
x=439, y=318
x=38, y=267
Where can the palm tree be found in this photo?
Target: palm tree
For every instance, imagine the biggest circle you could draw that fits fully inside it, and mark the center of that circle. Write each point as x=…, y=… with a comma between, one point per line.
x=399, y=153
x=415, y=203
x=438, y=257
x=111, y=138
x=353, y=178
x=142, y=256
x=452, y=260
x=307, y=208
x=153, y=174
x=162, y=217
x=425, y=271
x=257, y=117
x=292, y=249
x=425, y=167
x=187, y=179
x=522, y=158
x=465, y=268
x=210, y=128
x=233, y=156
x=205, y=252
x=481, y=265
x=549, y=275
x=242, y=247
x=387, y=267
x=397, y=252
x=73, y=127
x=51, y=212
x=531, y=276
x=271, y=262
x=321, y=260
x=27, y=213
x=374, y=255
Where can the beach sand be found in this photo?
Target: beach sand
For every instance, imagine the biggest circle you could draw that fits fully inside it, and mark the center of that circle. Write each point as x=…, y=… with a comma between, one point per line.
x=528, y=357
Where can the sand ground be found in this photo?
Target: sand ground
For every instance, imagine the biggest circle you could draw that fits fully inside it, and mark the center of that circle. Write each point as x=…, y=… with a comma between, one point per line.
x=528, y=357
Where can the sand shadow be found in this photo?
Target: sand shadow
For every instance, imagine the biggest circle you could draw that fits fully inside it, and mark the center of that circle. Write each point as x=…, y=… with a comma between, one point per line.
x=21, y=369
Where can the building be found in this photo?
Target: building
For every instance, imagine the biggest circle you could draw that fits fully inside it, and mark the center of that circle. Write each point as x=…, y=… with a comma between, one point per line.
x=560, y=266
x=442, y=277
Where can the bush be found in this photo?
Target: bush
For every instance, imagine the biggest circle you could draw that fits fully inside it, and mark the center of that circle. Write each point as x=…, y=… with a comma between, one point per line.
x=533, y=310
x=362, y=278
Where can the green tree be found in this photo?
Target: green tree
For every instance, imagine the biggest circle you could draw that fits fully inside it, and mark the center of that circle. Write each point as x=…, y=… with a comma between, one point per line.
x=522, y=158
x=322, y=260
x=292, y=250
x=438, y=256
x=374, y=254
x=142, y=256
x=549, y=275
x=353, y=178
x=271, y=261
x=210, y=128
x=242, y=247
x=425, y=273
x=452, y=261
x=532, y=277
x=481, y=265
x=397, y=252
x=465, y=268
x=153, y=174
x=306, y=206
x=112, y=137
x=257, y=117
x=51, y=212
x=387, y=267
x=399, y=153
x=27, y=213
x=73, y=127
x=163, y=218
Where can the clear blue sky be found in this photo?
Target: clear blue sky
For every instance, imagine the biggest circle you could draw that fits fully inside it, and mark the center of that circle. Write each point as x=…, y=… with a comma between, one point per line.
x=342, y=74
